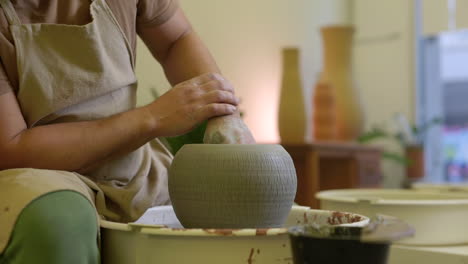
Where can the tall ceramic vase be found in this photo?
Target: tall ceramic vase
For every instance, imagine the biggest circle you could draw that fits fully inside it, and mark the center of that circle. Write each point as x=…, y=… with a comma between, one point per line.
x=337, y=43
x=291, y=116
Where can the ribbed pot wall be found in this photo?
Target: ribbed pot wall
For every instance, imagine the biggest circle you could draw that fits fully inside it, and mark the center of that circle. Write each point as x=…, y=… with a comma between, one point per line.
x=232, y=186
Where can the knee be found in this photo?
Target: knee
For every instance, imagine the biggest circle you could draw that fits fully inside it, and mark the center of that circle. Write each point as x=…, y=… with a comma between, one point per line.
x=59, y=227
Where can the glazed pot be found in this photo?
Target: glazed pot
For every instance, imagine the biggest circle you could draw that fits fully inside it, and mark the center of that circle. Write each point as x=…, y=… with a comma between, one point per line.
x=232, y=186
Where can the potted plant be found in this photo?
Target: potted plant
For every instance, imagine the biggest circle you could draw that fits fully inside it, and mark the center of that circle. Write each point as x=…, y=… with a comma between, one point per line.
x=409, y=137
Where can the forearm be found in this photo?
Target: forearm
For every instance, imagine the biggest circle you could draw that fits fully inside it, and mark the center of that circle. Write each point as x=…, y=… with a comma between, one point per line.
x=224, y=129
x=78, y=146
x=183, y=55
x=186, y=58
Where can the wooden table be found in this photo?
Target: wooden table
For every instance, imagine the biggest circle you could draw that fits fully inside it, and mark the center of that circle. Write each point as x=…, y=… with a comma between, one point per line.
x=325, y=166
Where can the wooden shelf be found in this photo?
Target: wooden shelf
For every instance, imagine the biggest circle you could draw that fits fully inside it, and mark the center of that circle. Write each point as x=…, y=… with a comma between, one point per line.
x=325, y=166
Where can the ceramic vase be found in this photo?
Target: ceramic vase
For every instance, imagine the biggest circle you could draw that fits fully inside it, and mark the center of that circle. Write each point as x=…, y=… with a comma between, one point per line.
x=291, y=115
x=324, y=112
x=232, y=186
x=337, y=43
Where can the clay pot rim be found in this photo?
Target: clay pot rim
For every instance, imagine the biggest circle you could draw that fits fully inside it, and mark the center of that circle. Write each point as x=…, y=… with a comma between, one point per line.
x=338, y=27
x=437, y=198
x=232, y=145
x=226, y=232
x=220, y=232
x=291, y=48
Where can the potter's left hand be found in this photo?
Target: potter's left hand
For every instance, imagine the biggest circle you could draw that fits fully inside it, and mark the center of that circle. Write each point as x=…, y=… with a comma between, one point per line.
x=228, y=130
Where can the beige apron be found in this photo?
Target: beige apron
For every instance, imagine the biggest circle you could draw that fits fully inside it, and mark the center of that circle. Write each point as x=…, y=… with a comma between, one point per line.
x=70, y=73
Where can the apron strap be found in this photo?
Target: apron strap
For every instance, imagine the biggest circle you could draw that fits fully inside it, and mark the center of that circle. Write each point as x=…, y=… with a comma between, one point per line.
x=10, y=12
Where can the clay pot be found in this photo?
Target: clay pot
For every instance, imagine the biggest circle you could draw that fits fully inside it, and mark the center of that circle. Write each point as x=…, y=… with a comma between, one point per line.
x=232, y=186
x=324, y=115
x=415, y=170
x=337, y=43
x=291, y=115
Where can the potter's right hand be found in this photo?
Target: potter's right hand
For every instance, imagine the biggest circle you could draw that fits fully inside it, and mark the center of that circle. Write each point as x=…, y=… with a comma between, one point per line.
x=189, y=103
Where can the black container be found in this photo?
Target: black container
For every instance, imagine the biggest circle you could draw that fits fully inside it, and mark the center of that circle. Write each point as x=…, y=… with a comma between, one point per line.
x=311, y=250
x=329, y=244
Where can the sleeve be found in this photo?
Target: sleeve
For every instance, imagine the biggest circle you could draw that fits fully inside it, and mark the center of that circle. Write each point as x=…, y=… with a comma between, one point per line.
x=5, y=85
x=155, y=12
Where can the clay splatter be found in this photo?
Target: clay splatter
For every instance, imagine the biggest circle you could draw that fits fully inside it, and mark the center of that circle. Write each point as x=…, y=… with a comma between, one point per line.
x=250, y=260
x=6, y=209
x=340, y=218
x=179, y=229
x=261, y=232
x=306, y=220
x=222, y=232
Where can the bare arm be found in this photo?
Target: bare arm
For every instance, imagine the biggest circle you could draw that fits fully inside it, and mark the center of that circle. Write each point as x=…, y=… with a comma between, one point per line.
x=70, y=146
x=183, y=55
x=82, y=145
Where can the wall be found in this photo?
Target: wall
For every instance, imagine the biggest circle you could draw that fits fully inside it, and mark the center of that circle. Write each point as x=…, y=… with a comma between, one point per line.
x=384, y=67
x=246, y=38
x=436, y=16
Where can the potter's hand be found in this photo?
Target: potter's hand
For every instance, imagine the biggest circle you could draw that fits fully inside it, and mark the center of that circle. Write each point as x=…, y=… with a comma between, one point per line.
x=189, y=103
x=228, y=130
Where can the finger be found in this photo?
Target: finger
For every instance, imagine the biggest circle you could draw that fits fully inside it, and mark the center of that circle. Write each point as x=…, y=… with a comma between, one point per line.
x=213, y=110
x=220, y=97
x=204, y=78
x=217, y=85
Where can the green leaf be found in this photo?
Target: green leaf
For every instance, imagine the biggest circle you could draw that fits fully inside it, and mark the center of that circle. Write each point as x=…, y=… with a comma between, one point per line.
x=372, y=135
x=396, y=158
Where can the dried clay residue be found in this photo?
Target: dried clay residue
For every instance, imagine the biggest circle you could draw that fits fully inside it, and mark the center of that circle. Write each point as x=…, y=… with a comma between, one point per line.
x=306, y=220
x=261, y=232
x=250, y=260
x=221, y=232
x=338, y=218
x=180, y=229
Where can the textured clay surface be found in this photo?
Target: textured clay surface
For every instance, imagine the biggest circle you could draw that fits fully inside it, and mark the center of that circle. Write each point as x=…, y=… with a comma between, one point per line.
x=232, y=186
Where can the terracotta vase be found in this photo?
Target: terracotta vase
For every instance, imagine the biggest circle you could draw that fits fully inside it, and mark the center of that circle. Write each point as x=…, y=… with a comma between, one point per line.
x=232, y=186
x=291, y=116
x=337, y=43
x=324, y=112
x=415, y=170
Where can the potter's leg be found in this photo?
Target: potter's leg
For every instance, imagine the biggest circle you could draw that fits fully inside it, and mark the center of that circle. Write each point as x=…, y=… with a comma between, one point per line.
x=56, y=228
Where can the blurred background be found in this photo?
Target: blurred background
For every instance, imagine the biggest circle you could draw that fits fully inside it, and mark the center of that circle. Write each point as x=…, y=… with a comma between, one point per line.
x=409, y=58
